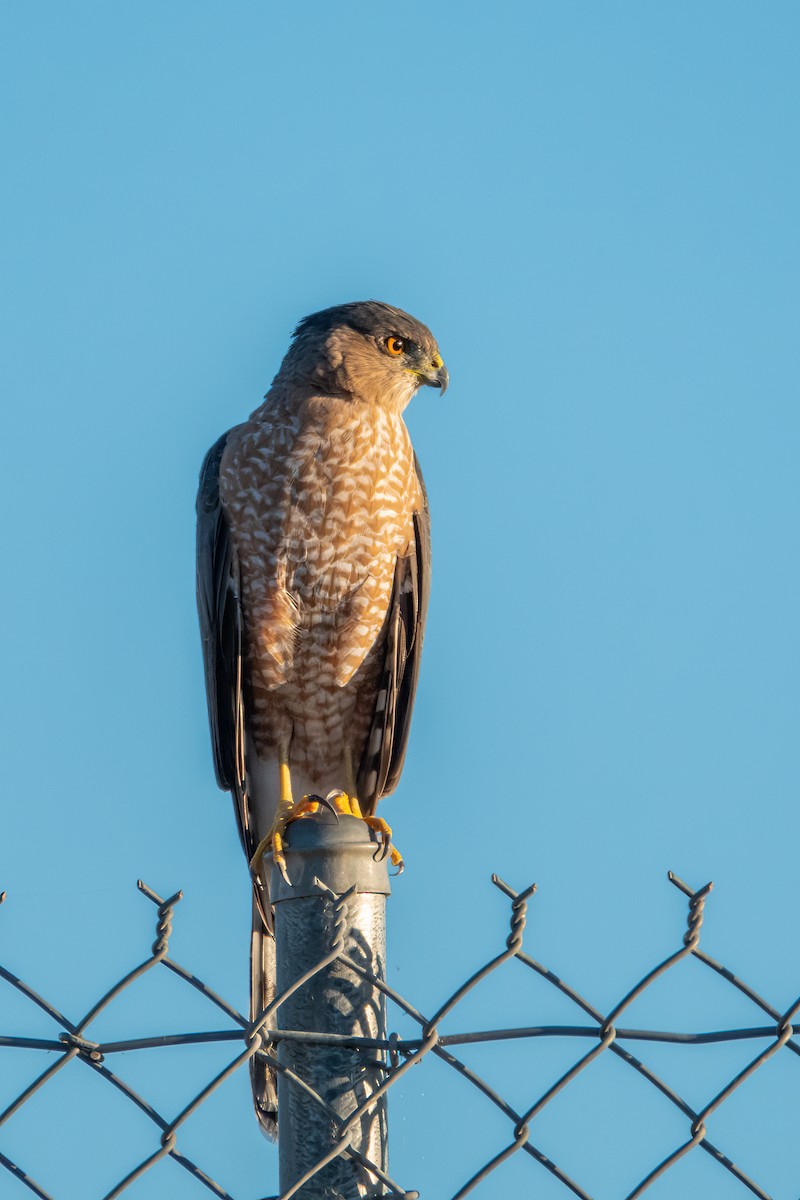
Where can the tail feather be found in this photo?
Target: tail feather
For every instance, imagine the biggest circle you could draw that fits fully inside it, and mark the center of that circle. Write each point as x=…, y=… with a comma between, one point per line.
x=263, y=1078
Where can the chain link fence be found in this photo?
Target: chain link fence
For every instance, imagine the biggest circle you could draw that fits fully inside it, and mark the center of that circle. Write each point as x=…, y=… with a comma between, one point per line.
x=396, y=1056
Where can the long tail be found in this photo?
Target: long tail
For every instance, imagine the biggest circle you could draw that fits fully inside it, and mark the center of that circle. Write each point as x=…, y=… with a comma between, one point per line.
x=263, y=1078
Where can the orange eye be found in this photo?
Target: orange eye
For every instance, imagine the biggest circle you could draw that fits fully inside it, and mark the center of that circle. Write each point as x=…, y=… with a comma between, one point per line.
x=395, y=345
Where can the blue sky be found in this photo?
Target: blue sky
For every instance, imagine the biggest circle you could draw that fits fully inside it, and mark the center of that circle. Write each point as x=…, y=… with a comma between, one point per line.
x=594, y=207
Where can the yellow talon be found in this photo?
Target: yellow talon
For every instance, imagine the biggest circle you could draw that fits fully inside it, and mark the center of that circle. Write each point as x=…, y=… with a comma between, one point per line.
x=342, y=802
x=385, y=830
x=261, y=850
x=287, y=812
x=381, y=827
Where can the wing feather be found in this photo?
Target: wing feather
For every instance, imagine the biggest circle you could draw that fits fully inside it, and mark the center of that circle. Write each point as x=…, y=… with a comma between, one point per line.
x=220, y=614
x=379, y=770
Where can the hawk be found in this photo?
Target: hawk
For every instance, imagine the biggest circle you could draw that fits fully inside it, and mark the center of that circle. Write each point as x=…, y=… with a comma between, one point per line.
x=313, y=553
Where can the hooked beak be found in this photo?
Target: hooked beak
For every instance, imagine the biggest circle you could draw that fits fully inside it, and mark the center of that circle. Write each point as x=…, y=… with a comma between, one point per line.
x=437, y=377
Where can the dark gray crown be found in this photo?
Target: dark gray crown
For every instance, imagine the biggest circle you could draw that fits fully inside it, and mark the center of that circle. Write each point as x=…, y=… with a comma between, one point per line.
x=370, y=317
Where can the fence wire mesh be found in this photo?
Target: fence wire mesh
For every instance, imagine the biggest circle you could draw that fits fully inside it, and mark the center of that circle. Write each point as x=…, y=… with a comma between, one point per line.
x=73, y=1044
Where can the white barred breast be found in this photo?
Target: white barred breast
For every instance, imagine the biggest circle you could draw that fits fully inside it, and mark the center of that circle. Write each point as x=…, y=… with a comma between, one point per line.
x=320, y=500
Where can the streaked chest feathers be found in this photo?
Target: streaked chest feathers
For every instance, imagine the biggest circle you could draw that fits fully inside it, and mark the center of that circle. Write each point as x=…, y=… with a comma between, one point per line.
x=321, y=504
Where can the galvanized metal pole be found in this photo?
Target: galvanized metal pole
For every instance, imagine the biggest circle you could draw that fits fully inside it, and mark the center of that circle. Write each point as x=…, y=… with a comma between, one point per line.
x=337, y=1000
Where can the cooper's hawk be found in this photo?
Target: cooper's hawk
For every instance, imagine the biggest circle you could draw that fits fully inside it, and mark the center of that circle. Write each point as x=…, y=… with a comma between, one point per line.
x=313, y=553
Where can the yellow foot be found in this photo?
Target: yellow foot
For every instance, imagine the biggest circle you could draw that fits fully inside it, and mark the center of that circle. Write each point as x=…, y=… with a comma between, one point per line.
x=385, y=830
x=274, y=839
x=349, y=804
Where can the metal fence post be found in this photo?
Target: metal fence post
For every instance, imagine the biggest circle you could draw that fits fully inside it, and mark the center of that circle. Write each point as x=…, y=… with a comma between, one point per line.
x=339, y=854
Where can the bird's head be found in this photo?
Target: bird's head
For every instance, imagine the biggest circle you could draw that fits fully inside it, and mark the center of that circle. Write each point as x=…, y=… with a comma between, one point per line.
x=367, y=350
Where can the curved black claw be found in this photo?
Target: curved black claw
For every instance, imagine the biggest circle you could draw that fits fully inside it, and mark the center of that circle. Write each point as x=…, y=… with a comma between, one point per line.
x=381, y=849
x=328, y=802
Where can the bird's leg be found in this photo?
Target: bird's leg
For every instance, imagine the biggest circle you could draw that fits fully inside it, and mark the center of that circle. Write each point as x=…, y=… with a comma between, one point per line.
x=287, y=811
x=376, y=823
x=350, y=776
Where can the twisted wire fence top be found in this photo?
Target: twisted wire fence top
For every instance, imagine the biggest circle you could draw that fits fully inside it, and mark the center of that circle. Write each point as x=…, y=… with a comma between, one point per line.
x=437, y=1039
